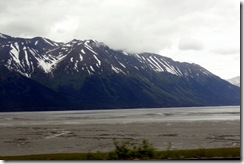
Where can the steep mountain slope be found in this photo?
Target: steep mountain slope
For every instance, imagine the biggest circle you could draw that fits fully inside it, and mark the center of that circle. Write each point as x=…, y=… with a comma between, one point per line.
x=90, y=75
x=19, y=93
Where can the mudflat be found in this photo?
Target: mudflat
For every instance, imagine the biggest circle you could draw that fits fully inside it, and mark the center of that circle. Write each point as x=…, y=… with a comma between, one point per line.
x=25, y=139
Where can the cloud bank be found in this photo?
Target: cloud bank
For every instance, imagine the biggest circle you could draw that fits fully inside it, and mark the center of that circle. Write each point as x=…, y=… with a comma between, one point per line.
x=131, y=25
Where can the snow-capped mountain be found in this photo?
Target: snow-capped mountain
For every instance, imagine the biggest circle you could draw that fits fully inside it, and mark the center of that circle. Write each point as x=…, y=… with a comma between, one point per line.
x=89, y=74
x=28, y=55
x=235, y=81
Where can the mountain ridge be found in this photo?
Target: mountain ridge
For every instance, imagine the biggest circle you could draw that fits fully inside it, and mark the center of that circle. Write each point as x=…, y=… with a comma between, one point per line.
x=50, y=47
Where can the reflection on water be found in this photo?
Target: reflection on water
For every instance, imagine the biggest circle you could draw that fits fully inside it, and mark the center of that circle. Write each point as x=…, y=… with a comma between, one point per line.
x=221, y=113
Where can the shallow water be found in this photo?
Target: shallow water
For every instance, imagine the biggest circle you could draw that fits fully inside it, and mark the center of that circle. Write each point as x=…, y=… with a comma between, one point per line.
x=121, y=116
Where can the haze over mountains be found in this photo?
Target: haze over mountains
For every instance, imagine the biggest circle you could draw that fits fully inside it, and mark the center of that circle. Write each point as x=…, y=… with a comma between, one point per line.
x=41, y=74
x=235, y=81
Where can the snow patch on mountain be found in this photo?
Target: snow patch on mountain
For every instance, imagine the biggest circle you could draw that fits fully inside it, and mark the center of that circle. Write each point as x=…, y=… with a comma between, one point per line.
x=98, y=61
x=76, y=66
x=48, y=41
x=125, y=53
x=47, y=67
x=15, y=52
x=90, y=49
x=3, y=36
x=83, y=51
x=81, y=57
x=117, y=70
x=49, y=63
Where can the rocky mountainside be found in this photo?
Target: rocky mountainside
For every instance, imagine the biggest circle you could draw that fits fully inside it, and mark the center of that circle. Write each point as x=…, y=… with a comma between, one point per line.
x=90, y=75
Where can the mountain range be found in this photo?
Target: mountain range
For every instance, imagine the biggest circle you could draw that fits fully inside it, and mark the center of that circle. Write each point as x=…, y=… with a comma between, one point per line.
x=41, y=74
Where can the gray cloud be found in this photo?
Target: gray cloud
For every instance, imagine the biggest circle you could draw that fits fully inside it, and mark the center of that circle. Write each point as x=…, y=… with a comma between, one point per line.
x=132, y=25
x=187, y=43
x=227, y=51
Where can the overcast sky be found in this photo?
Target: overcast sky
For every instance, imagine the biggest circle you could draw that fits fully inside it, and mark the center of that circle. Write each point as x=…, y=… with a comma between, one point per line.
x=205, y=32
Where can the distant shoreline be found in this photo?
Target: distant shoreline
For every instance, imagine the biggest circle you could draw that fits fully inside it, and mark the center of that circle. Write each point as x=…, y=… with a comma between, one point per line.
x=75, y=110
